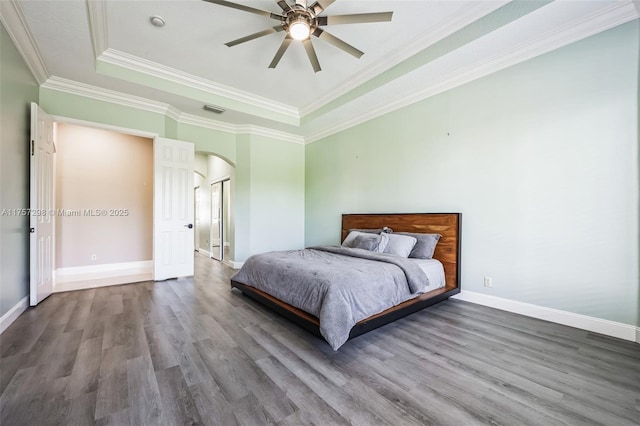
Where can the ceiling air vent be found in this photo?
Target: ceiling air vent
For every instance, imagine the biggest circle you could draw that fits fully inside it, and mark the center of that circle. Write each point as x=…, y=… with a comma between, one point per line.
x=213, y=108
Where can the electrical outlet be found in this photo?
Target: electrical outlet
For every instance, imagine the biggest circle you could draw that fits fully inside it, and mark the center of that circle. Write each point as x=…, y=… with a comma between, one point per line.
x=94, y=257
x=488, y=282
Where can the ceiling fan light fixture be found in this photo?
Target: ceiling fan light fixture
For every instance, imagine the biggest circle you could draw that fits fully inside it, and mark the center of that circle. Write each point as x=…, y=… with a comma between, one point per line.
x=300, y=30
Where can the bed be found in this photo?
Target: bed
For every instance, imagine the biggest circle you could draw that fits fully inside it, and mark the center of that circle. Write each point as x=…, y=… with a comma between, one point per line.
x=296, y=269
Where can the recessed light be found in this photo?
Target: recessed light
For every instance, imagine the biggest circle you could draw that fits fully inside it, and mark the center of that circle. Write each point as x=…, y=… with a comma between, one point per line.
x=157, y=21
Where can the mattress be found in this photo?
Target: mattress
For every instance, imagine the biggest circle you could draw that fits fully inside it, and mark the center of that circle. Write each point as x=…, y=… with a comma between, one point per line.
x=434, y=270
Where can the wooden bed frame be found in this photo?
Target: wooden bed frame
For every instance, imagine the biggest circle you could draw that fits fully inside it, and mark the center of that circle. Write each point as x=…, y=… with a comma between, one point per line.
x=447, y=251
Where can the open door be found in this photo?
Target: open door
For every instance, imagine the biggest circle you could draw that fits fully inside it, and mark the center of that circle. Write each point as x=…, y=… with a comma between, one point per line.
x=173, y=234
x=41, y=206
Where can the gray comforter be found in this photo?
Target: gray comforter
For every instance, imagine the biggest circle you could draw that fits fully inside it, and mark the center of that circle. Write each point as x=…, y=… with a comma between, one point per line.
x=339, y=285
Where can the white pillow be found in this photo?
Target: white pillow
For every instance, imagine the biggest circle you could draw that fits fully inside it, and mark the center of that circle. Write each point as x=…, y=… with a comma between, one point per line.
x=400, y=245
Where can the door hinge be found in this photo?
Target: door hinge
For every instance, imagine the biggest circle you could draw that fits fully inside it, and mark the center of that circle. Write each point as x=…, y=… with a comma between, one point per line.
x=33, y=148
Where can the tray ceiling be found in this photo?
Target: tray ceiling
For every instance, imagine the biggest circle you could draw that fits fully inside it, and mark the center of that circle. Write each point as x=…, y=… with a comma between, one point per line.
x=428, y=47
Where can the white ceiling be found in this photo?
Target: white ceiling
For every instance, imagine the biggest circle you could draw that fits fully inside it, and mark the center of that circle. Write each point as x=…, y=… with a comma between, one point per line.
x=428, y=47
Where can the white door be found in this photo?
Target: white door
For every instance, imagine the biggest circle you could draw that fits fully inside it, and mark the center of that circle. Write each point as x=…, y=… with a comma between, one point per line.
x=173, y=236
x=42, y=204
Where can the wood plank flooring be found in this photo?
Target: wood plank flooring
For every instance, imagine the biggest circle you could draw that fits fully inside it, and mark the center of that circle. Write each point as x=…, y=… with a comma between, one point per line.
x=191, y=351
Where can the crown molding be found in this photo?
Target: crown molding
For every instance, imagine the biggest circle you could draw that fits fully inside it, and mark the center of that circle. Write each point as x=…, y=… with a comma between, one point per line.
x=469, y=14
x=601, y=20
x=270, y=133
x=97, y=10
x=154, y=69
x=93, y=92
x=173, y=113
x=240, y=128
x=207, y=123
x=15, y=23
x=98, y=93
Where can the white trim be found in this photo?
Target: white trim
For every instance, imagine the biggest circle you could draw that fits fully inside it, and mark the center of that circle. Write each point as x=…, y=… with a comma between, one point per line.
x=85, y=123
x=232, y=264
x=205, y=252
x=78, y=273
x=269, y=133
x=207, y=123
x=98, y=93
x=174, y=113
x=12, y=314
x=584, y=322
x=15, y=23
x=154, y=69
x=637, y=334
x=94, y=276
x=98, y=24
x=218, y=180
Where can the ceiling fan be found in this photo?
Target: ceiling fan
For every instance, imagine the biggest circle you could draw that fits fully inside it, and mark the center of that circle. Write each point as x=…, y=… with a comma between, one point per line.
x=300, y=22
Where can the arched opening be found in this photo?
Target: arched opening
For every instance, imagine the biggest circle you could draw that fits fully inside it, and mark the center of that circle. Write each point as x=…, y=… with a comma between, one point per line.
x=214, y=186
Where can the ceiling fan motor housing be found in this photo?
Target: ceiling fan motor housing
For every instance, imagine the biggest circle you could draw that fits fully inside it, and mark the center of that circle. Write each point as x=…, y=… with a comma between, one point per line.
x=299, y=15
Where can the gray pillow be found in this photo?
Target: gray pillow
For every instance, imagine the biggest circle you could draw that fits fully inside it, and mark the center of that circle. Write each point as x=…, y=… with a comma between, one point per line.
x=366, y=241
x=400, y=245
x=425, y=246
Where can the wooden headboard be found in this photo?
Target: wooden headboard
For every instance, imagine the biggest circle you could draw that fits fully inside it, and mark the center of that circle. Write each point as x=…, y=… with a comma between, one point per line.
x=446, y=224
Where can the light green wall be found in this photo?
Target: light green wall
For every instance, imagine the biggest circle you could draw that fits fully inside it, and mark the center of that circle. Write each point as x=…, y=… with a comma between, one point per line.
x=242, y=199
x=268, y=197
x=541, y=159
x=18, y=89
x=277, y=195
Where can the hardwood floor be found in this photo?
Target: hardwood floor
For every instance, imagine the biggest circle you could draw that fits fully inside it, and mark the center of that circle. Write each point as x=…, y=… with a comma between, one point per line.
x=191, y=351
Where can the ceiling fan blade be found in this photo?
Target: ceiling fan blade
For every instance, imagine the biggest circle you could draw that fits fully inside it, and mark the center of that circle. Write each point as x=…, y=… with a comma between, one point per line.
x=284, y=5
x=311, y=53
x=302, y=3
x=283, y=48
x=358, y=18
x=247, y=9
x=329, y=38
x=320, y=6
x=255, y=35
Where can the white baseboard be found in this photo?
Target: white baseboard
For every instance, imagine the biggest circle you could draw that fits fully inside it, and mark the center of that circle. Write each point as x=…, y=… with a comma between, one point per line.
x=93, y=276
x=203, y=251
x=13, y=313
x=232, y=264
x=584, y=322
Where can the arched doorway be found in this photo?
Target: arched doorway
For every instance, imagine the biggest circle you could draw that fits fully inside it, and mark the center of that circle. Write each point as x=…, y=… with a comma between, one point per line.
x=214, y=183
